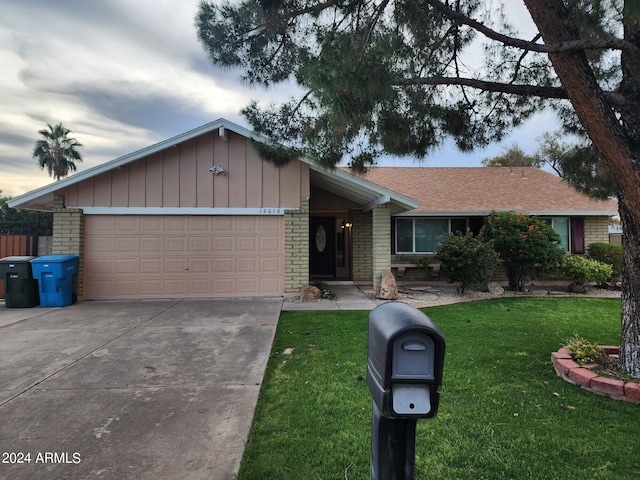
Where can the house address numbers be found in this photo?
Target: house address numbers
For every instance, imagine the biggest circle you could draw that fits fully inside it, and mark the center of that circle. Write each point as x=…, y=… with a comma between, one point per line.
x=271, y=211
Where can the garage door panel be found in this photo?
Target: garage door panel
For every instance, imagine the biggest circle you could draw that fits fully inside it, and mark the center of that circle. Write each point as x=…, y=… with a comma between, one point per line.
x=175, y=223
x=246, y=265
x=246, y=244
x=223, y=266
x=127, y=224
x=150, y=245
x=125, y=266
x=269, y=244
x=199, y=224
x=199, y=265
x=246, y=286
x=222, y=245
x=200, y=287
x=150, y=266
x=127, y=244
x=100, y=243
x=271, y=285
x=175, y=287
x=151, y=224
x=176, y=244
x=174, y=265
x=149, y=287
x=199, y=244
x=183, y=256
x=270, y=265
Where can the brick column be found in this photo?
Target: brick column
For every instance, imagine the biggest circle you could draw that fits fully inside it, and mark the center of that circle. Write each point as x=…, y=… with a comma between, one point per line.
x=381, y=242
x=361, y=252
x=296, y=248
x=68, y=239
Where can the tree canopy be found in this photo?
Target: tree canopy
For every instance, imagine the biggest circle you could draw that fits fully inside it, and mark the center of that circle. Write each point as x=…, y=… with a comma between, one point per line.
x=514, y=156
x=400, y=76
x=56, y=151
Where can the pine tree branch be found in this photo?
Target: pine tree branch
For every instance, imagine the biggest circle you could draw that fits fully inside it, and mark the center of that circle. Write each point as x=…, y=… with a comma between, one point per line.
x=615, y=99
x=561, y=47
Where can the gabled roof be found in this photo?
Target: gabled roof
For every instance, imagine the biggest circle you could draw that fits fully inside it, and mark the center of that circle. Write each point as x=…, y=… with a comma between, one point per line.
x=337, y=181
x=469, y=191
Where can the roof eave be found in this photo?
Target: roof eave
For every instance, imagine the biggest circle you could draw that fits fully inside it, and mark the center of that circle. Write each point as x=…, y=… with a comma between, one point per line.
x=359, y=190
x=536, y=213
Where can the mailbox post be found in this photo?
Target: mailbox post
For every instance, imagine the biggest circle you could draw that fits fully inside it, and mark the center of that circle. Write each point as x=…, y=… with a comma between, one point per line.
x=405, y=359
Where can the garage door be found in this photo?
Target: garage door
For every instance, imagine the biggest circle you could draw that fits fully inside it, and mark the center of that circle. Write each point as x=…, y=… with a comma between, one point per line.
x=154, y=256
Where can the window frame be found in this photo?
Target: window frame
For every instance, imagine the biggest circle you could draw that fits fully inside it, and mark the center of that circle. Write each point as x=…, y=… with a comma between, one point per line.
x=413, y=232
x=551, y=221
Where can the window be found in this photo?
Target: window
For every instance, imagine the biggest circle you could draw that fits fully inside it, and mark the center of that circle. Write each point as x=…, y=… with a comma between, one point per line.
x=423, y=235
x=561, y=226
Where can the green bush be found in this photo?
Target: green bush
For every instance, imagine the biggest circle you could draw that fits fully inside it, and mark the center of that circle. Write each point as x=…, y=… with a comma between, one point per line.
x=582, y=269
x=466, y=260
x=609, y=254
x=524, y=243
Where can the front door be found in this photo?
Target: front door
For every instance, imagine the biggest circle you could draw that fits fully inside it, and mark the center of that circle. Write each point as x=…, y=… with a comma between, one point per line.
x=322, y=255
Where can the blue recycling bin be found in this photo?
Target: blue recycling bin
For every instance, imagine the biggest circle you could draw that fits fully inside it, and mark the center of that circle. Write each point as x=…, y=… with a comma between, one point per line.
x=54, y=274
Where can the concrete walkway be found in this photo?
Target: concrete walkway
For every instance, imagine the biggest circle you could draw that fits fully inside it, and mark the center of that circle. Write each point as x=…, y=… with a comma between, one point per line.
x=348, y=297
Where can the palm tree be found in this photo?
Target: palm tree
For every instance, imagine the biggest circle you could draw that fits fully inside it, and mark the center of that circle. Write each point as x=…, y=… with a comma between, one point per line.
x=56, y=151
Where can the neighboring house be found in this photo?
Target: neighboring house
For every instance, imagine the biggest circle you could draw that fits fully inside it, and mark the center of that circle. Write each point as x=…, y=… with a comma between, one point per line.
x=200, y=215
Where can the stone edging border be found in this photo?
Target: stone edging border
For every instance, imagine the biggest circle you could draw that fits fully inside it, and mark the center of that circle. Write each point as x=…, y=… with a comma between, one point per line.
x=570, y=371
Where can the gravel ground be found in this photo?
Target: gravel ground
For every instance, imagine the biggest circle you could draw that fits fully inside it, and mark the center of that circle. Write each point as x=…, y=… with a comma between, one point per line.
x=421, y=296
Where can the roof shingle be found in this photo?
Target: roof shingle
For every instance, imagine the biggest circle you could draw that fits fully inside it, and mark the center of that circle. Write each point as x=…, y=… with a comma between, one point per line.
x=481, y=190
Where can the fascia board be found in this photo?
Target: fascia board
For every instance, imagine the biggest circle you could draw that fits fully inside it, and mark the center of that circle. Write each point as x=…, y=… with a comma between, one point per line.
x=536, y=213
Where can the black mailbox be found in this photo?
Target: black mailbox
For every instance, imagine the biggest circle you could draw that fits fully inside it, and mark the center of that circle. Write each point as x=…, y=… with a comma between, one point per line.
x=405, y=361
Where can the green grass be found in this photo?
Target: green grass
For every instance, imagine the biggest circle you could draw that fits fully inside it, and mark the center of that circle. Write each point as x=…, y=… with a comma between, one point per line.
x=503, y=412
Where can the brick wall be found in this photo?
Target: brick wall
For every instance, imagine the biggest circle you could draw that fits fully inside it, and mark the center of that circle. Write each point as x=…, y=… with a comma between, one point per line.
x=296, y=248
x=381, y=242
x=68, y=239
x=596, y=230
x=362, y=245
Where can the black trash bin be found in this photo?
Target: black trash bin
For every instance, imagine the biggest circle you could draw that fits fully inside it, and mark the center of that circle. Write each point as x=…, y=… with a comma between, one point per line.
x=20, y=288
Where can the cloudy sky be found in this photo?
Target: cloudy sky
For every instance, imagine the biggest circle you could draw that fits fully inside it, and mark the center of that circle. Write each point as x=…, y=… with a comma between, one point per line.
x=123, y=75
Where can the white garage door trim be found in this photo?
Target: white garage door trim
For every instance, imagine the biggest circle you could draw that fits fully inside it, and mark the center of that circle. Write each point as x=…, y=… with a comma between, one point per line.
x=182, y=256
x=185, y=211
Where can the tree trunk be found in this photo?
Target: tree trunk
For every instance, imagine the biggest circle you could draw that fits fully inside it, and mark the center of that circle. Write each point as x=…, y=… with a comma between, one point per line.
x=630, y=315
x=617, y=142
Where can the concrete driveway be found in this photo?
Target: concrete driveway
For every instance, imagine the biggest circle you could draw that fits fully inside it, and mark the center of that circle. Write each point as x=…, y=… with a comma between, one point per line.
x=147, y=390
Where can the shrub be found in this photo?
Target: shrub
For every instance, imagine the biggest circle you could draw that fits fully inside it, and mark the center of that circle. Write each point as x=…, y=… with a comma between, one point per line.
x=325, y=290
x=466, y=260
x=584, y=352
x=609, y=254
x=582, y=269
x=523, y=243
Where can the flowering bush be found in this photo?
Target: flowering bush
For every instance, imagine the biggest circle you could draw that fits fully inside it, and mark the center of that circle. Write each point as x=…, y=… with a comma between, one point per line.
x=523, y=243
x=466, y=260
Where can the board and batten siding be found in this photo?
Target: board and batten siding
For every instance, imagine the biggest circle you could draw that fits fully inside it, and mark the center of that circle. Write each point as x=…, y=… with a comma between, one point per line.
x=179, y=176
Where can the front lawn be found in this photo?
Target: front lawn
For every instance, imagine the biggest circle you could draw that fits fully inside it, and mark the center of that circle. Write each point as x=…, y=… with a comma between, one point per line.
x=503, y=412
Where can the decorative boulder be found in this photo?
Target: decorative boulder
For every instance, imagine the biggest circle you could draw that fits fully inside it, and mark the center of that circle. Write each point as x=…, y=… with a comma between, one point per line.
x=310, y=293
x=495, y=288
x=388, y=287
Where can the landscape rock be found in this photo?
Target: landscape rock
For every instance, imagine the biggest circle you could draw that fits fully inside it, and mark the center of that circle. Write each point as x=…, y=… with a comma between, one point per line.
x=495, y=288
x=577, y=287
x=310, y=294
x=388, y=287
